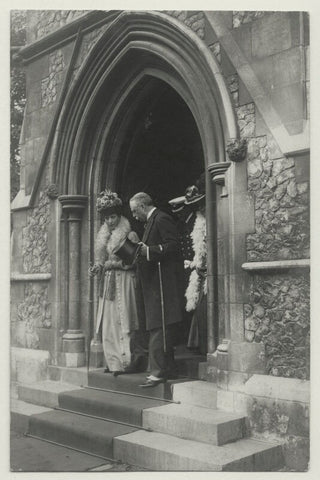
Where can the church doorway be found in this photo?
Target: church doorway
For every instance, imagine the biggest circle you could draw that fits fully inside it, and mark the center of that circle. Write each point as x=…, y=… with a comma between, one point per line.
x=156, y=148
x=146, y=112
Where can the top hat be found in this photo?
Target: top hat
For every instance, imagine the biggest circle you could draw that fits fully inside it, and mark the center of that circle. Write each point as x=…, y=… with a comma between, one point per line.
x=177, y=204
x=128, y=251
x=193, y=195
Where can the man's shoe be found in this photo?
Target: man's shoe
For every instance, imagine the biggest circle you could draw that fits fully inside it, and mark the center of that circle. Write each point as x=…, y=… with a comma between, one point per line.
x=152, y=383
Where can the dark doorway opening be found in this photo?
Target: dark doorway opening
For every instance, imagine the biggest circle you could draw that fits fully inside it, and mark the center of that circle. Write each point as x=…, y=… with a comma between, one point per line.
x=161, y=151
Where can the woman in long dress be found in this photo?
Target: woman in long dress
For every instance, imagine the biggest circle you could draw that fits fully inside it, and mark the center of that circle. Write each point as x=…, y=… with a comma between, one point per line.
x=117, y=307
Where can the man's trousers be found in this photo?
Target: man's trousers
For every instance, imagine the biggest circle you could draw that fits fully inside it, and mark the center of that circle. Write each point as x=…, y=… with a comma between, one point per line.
x=162, y=364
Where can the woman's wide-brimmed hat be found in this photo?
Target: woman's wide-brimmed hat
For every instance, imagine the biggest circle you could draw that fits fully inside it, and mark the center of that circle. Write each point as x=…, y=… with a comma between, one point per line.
x=193, y=195
x=128, y=251
x=108, y=202
x=177, y=204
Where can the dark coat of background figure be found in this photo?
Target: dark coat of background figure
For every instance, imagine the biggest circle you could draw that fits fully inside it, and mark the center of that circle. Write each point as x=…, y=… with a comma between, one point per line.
x=162, y=238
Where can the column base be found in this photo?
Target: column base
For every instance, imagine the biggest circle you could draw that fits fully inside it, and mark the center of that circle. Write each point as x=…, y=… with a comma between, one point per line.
x=73, y=349
x=73, y=341
x=72, y=359
x=96, y=354
x=234, y=361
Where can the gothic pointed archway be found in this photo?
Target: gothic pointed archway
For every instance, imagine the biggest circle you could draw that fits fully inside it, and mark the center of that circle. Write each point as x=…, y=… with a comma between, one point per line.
x=140, y=56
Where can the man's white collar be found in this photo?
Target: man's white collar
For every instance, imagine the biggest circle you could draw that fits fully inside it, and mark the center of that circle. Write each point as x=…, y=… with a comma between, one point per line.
x=150, y=212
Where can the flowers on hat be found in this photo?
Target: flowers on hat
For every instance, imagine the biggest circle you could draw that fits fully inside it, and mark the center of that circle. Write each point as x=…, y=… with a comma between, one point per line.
x=108, y=199
x=193, y=195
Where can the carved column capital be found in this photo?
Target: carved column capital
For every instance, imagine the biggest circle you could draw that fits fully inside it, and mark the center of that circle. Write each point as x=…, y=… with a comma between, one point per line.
x=217, y=172
x=73, y=205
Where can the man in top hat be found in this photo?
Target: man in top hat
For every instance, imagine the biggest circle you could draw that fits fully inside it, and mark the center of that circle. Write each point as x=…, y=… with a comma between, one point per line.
x=160, y=272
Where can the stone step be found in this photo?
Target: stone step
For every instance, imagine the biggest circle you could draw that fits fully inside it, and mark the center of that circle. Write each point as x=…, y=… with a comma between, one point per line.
x=187, y=364
x=114, y=406
x=130, y=383
x=45, y=393
x=162, y=452
x=88, y=434
x=195, y=423
x=75, y=376
x=21, y=412
x=198, y=393
x=203, y=371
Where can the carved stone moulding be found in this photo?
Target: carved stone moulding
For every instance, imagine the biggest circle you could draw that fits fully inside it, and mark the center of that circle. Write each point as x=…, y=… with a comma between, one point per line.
x=217, y=172
x=52, y=191
x=237, y=149
x=73, y=205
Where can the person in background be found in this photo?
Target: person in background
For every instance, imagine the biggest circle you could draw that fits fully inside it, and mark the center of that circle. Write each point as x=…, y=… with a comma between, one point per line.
x=196, y=292
x=117, y=307
x=185, y=217
x=160, y=273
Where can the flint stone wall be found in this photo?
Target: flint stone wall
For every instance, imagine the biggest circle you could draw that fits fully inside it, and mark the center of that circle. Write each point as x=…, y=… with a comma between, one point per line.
x=48, y=21
x=278, y=316
x=281, y=206
x=240, y=18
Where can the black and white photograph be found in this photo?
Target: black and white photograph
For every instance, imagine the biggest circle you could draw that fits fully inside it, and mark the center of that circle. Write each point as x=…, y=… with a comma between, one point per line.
x=159, y=240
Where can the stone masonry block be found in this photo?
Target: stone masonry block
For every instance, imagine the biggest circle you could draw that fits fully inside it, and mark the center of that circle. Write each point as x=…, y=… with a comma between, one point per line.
x=239, y=246
x=237, y=322
x=209, y=35
x=278, y=418
x=225, y=400
x=302, y=168
x=222, y=361
x=272, y=34
x=240, y=404
x=46, y=339
x=287, y=67
x=289, y=102
x=296, y=453
x=243, y=37
x=243, y=213
x=279, y=388
x=28, y=365
x=246, y=357
x=34, y=98
x=222, y=379
x=237, y=381
x=238, y=285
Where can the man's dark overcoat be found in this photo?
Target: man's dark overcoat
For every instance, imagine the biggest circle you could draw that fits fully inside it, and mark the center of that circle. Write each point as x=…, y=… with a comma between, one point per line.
x=161, y=236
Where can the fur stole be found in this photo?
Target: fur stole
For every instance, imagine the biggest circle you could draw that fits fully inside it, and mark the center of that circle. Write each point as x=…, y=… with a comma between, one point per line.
x=108, y=241
x=196, y=282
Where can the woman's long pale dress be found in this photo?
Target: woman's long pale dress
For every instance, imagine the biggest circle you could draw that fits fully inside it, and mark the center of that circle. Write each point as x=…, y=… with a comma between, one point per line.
x=117, y=308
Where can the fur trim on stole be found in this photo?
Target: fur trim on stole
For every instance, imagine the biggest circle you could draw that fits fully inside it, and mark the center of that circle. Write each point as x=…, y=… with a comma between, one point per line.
x=198, y=236
x=108, y=241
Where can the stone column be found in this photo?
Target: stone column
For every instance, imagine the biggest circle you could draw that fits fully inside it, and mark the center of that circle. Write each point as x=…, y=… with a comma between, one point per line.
x=73, y=341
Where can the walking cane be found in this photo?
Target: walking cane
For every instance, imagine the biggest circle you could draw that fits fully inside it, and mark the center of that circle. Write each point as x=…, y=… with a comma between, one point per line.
x=162, y=311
